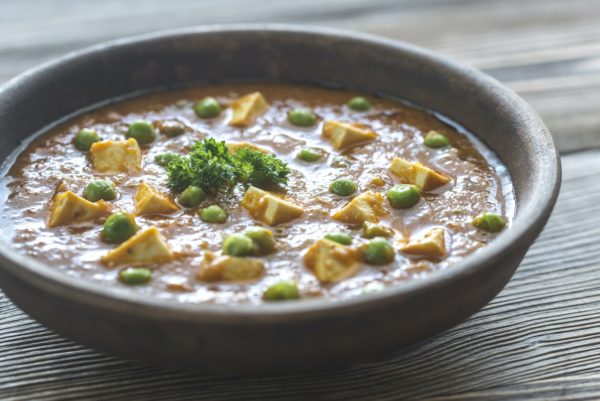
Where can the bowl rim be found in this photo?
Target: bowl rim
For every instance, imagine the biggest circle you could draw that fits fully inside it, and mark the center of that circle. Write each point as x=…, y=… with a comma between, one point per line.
x=528, y=220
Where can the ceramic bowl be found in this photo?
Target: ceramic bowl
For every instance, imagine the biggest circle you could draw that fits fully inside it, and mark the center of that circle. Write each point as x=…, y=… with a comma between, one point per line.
x=290, y=336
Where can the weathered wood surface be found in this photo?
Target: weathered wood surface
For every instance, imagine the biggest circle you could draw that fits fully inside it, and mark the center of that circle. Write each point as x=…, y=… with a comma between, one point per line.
x=538, y=340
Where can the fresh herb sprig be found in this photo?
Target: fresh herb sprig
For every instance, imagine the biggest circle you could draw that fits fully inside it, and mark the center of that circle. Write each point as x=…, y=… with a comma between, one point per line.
x=211, y=166
x=260, y=169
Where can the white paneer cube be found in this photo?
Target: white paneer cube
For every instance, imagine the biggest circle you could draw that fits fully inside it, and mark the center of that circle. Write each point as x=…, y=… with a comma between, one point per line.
x=417, y=174
x=344, y=135
x=247, y=108
x=67, y=207
x=330, y=261
x=432, y=244
x=367, y=206
x=270, y=208
x=229, y=268
x=116, y=156
x=146, y=246
x=149, y=200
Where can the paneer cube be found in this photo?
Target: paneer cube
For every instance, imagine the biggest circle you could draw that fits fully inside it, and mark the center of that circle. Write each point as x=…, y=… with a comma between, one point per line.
x=235, y=146
x=330, y=261
x=270, y=208
x=367, y=206
x=247, y=108
x=431, y=244
x=417, y=174
x=146, y=246
x=229, y=268
x=149, y=200
x=343, y=135
x=116, y=156
x=67, y=207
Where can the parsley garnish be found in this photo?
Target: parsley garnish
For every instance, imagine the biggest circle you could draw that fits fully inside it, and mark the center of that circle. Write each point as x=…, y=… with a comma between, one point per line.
x=212, y=167
x=260, y=168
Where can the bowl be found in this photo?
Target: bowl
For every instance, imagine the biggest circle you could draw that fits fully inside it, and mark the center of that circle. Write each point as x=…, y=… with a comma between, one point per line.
x=293, y=336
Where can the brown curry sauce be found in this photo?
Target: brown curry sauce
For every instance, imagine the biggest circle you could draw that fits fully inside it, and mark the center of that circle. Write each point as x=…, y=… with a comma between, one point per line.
x=479, y=183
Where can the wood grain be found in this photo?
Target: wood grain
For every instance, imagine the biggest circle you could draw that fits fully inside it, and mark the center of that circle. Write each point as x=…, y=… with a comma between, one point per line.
x=538, y=340
x=578, y=387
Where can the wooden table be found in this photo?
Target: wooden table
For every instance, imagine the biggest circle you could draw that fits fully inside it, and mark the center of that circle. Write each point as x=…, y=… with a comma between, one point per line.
x=538, y=340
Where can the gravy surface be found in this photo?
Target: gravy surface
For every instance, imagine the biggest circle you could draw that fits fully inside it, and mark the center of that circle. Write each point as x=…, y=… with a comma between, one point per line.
x=479, y=183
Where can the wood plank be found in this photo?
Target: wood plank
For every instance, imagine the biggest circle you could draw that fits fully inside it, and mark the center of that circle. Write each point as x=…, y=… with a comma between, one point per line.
x=544, y=325
x=578, y=387
x=549, y=51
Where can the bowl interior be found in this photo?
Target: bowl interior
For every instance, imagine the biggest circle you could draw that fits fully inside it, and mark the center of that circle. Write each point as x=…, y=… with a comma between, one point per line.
x=297, y=55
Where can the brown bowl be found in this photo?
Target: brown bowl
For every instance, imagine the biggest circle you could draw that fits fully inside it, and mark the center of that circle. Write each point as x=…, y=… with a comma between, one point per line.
x=292, y=336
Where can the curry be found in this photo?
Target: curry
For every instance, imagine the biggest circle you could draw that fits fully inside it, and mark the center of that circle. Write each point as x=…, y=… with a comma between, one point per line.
x=237, y=194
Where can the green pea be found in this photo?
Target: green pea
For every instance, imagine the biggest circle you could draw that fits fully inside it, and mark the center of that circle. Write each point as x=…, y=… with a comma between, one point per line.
x=135, y=275
x=142, y=131
x=309, y=154
x=343, y=187
x=263, y=239
x=359, y=103
x=208, y=107
x=339, y=237
x=434, y=139
x=302, y=117
x=403, y=196
x=238, y=245
x=119, y=227
x=100, y=189
x=372, y=230
x=281, y=291
x=213, y=214
x=86, y=138
x=379, y=251
x=192, y=196
x=489, y=222
x=164, y=159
